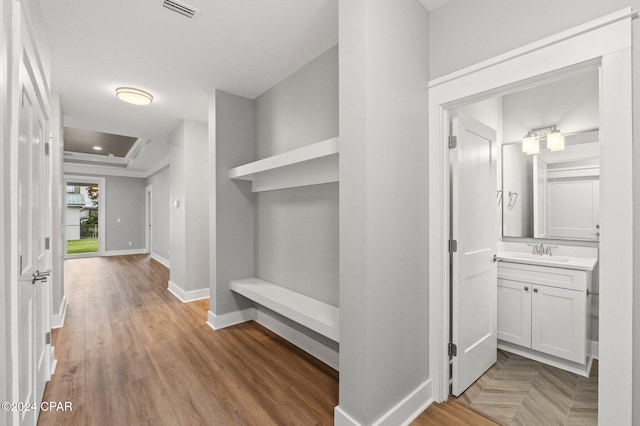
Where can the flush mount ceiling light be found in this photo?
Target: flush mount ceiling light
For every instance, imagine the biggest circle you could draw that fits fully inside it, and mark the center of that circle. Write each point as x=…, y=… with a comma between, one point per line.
x=134, y=96
x=97, y=148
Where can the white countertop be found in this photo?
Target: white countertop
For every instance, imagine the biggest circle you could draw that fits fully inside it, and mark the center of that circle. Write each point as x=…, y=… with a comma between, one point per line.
x=568, y=257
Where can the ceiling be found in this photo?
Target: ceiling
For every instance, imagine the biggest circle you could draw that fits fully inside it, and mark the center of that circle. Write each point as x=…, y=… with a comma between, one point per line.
x=242, y=47
x=87, y=141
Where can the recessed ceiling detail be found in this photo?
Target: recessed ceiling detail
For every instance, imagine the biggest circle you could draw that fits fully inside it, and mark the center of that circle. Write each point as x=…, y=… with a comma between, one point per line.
x=87, y=141
x=180, y=8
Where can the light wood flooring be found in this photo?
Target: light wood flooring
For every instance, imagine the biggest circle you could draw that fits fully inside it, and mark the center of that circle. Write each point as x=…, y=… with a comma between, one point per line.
x=520, y=391
x=131, y=354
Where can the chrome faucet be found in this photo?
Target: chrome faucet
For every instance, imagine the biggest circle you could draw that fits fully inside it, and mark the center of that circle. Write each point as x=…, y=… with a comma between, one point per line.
x=537, y=248
x=548, y=250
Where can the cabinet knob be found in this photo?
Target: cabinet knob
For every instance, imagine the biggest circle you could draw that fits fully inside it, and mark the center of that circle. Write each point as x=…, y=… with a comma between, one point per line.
x=526, y=289
x=535, y=290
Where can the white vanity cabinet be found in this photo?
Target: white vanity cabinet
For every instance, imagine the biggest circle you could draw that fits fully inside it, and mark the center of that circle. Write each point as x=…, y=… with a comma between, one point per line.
x=544, y=313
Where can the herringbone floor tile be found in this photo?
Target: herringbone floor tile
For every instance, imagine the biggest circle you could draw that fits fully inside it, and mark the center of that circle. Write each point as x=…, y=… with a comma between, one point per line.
x=520, y=391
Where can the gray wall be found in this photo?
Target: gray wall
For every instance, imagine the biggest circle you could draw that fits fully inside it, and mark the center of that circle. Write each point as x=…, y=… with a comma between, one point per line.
x=160, y=182
x=189, y=221
x=297, y=229
x=231, y=201
x=383, y=204
x=455, y=43
x=58, y=207
x=124, y=200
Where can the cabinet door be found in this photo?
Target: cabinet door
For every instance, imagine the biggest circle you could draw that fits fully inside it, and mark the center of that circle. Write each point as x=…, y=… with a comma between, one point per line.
x=558, y=322
x=514, y=312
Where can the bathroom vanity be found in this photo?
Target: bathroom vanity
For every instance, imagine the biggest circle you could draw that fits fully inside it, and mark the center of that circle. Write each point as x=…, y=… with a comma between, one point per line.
x=544, y=304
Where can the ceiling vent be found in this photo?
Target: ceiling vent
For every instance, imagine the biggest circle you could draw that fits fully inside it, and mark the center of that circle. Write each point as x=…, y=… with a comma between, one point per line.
x=180, y=8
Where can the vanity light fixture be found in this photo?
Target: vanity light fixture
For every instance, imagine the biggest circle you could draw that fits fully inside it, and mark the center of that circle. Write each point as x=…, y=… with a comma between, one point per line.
x=134, y=96
x=531, y=142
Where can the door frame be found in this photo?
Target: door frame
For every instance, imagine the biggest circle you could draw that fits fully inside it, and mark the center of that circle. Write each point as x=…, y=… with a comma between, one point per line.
x=604, y=42
x=148, y=218
x=94, y=180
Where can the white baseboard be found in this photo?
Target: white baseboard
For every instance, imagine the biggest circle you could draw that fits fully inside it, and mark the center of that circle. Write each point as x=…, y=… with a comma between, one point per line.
x=595, y=349
x=217, y=322
x=124, y=252
x=57, y=320
x=301, y=340
x=188, y=296
x=403, y=413
x=161, y=260
x=54, y=361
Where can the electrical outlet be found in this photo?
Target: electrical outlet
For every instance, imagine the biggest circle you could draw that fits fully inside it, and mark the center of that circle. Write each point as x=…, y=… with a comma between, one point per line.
x=130, y=243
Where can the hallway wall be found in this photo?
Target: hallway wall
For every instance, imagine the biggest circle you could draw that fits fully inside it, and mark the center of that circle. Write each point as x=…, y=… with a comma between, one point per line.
x=160, y=182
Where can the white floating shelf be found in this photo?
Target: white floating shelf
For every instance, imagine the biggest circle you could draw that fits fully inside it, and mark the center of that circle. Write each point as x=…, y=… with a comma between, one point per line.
x=311, y=313
x=310, y=165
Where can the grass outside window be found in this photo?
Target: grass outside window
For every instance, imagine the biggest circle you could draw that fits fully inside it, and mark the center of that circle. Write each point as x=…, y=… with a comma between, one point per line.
x=86, y=245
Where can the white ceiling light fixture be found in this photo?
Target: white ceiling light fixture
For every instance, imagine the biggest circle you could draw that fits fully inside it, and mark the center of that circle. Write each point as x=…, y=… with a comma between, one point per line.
x=134, y=96
x=97, y=148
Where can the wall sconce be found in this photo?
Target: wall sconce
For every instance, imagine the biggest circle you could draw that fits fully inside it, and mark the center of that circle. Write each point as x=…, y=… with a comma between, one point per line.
x=531, y=142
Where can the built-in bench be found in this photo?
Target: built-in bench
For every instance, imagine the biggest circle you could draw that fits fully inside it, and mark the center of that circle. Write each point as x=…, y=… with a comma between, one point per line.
x=311, y=313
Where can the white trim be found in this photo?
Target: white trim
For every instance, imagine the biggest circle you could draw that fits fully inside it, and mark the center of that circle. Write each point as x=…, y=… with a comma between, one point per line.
x=102, y=170
x=57, y=320
x=610, y=45
x=218, y=322
x=54, y=362
x=148, y=218
x=188, y=296
x=308, y=344
x=161, y=260
x=124, y=252
x=403, y=413
x=557, y=38
x=595, y=349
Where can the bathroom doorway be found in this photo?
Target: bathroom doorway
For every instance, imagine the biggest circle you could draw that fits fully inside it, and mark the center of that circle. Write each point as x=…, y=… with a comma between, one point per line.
x=512, y=73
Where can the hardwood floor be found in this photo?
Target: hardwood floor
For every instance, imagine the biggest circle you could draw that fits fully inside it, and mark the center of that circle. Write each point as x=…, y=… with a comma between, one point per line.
x=520, y=391
x=130, y=353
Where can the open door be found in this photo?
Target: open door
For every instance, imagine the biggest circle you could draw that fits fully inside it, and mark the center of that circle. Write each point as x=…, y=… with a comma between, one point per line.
x=474, y=272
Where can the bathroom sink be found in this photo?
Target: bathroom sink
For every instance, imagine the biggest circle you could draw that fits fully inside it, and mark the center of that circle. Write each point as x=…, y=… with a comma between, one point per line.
x=543, y=258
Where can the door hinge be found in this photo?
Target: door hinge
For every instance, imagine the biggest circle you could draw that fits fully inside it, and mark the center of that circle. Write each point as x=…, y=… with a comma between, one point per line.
x=452, y=349
x=47, y=243
x=47, y=148
x=47, y=338
x=20, y=267
x=453, y=246
x=453, y=142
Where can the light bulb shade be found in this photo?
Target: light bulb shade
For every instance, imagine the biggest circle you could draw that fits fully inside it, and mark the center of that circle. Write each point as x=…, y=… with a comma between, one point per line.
x=555, y=141
x=527, y=143
x=530, y=145
x=134, y=96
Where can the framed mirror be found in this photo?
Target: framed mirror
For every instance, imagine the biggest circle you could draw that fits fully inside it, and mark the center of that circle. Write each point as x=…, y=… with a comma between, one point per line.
x=553, y=194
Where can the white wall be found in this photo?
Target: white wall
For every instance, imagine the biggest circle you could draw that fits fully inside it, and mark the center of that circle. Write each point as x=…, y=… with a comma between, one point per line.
x=161, y=208
x=124, y=201
x=455, y=43
x=297, y=229
x=189, y=222
x=383, y=209
x=5, y=31
x=58, y=206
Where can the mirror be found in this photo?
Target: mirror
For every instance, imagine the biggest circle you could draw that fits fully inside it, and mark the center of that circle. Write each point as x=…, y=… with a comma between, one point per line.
x=554, y=194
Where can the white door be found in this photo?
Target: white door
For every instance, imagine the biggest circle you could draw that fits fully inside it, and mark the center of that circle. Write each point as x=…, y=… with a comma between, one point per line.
x=474, y=276
x=34, y=311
